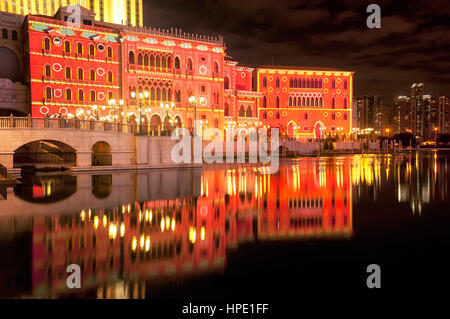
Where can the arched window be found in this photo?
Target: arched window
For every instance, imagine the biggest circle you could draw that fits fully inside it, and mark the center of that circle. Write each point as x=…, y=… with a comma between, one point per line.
x=227, y=110
x=333, y=103
x=277, y=82
x=303, y=85
x=140, y=59
x=345, y=116
x=277, y=116
x=153, y=94
x=110, y=96
x=68, y=94
x=241, y=111
x=316, y=83
x=304, y=102
x=80, y=95
x=216, y=67
x=190, y=64
x=131, y=59
x=249, y=112
x=5, y=33
x=46, y=44
x=152, y=60
x=320, y=102
x=68, y=73
x=109, y=53
x=164, y=95
x=47, y=70
x=320, y=83
x=164, y=62
x=48, y=93
x=169, y=95
x=158, y=94
x=333, y=84
x=80, y=74
x=177, y=63
x=278, y=101
x=226, y=83
x=93, y=96
x=158, y=61
x=345, y=103
x=14, y=35
x=146, y=61
x=66, y=47
x=110, y=76
x=333, y=116
x=305, y=116
x=295, y=83
x=79, y=48
x=264, y=115
x=91, y=50
x=290, y=101
x=264, y=101
x=92, y=75
x=264, y=82
x=307, y=101
x=345, y=84
x=308, y=84
x=291, y=83
x=169, y=62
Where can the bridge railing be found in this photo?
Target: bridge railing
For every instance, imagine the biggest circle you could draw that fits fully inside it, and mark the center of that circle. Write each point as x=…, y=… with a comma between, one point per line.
x=29, y=122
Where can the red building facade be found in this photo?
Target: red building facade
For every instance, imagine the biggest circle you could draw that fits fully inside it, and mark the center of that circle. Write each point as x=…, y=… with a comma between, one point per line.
x=167, y=78
x=73, y=70
x=305, y=103
x=170, y=78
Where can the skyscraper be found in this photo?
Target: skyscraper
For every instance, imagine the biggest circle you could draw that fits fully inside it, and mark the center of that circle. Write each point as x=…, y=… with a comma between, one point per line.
x=419, y=111
x=369, y=112
x=115, y=11
x=402, y=109
x=443, y=123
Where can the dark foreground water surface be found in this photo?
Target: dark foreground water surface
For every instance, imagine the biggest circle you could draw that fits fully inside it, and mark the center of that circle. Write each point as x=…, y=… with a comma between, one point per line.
x=233, y=232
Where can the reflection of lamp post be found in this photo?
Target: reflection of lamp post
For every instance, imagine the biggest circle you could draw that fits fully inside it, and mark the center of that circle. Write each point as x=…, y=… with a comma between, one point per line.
x=193, y=103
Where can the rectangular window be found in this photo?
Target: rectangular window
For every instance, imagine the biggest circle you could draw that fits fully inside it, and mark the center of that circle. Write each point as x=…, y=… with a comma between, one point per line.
x=203, y=88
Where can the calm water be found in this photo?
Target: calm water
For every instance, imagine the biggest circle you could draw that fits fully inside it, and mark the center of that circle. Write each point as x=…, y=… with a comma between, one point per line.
x=308, y=231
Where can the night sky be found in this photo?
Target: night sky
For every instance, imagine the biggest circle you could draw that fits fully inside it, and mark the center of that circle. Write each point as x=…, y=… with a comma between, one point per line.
x=413, y=44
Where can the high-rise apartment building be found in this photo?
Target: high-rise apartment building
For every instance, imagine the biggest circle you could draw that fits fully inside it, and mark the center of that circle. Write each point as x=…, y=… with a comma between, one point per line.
x=370, y=112
x=443, y=122
x=127, y=12
x=402, y=109
x=419, y=111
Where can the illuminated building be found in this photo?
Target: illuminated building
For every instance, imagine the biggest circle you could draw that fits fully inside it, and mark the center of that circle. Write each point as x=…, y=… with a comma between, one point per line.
x=114, y=11
x=443, y=115
x=419, y=111
x=73, y=71
x=171, y=78
x=306, y=103
x=240, y=106
x=370, y=113
x=402, y=114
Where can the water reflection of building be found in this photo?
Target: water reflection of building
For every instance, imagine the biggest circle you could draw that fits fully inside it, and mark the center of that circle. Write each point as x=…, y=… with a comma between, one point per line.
x=127, y=248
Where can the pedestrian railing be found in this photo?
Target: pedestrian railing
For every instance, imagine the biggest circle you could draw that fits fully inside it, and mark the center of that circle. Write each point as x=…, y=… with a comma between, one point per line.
x=29, y=122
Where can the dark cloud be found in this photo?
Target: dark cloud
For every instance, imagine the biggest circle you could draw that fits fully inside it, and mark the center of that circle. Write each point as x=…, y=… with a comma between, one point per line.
x=413, y=43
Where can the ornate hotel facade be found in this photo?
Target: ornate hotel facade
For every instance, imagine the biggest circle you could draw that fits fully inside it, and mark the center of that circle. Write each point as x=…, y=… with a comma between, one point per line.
x=166, y=78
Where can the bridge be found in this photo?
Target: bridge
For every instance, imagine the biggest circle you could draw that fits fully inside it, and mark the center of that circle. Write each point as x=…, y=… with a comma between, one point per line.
x=80, y=145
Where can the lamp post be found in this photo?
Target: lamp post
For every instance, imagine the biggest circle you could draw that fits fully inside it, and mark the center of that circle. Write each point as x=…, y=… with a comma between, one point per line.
x=435, y=136
x=388, y=131
x=141, y=104
x=193, y=103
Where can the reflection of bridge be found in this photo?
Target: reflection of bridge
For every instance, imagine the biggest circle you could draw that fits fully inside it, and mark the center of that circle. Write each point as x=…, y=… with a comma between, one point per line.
x=18, y=136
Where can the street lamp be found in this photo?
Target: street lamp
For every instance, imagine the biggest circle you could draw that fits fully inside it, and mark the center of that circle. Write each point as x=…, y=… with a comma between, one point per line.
x=435, y=135
x=388, y=131
x=193, y=103
x=141, y=104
